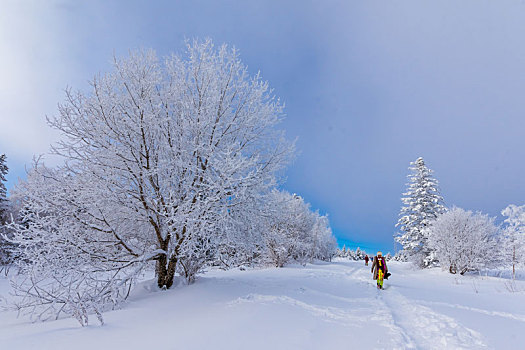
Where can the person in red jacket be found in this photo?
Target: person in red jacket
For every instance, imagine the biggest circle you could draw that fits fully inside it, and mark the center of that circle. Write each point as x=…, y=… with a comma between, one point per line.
x=379, y=269
x=366, y=260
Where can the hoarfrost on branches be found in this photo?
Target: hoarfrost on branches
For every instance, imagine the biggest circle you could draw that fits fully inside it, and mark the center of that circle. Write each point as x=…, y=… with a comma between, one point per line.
x=160, y=158
x=514, y=243
x=3, y=190
x=292, y=232
x=463, y=241
x=5, y=246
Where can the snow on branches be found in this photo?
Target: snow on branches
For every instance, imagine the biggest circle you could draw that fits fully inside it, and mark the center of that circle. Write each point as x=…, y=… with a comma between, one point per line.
x=5, y=246
x=292, y=232
x=160, y=159
x=3, y=190
x=513, y=248
x=463, y=241
x=422, y=204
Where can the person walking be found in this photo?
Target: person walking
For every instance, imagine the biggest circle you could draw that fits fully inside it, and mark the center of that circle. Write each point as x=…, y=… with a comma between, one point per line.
x=366, y=260
x=379, y=269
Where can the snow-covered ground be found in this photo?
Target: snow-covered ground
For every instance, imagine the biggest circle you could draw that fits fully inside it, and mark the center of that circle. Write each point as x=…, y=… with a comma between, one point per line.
x=322, y=306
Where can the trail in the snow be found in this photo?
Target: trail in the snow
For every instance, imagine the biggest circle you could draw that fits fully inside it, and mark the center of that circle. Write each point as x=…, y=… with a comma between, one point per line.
x=382, y=320
x=398, y=337
x=329, y=314
x=419, y=326
x=508, y=315
x=430, y=329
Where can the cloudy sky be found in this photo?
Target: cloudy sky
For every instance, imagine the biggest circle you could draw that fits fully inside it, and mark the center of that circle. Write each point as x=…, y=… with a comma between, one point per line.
x=368, y=85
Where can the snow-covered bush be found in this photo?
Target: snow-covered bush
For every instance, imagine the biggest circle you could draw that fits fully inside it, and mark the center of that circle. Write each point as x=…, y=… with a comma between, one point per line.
x=157, y=156
x=463, y=241
x=423, y=203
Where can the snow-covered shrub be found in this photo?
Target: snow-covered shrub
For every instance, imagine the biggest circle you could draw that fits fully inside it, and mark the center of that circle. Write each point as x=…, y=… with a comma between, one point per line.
x=156, y=158
x=423, y=203
x=463, y=241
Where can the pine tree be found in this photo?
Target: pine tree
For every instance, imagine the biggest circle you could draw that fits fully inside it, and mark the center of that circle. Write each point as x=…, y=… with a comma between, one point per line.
x=422, y=204
x=358, y=254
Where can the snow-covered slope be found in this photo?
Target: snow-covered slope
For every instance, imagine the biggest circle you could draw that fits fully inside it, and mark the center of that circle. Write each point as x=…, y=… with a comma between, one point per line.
x=323, y=306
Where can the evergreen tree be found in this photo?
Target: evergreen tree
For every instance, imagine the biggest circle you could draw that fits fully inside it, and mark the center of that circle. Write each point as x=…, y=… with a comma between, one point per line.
x=358, y=254
x=422, y=204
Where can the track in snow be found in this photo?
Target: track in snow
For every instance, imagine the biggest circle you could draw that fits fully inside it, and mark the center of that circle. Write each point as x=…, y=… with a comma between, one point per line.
x=414, y=326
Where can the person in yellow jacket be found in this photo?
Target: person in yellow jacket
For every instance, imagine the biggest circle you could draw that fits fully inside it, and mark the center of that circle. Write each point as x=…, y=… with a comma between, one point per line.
x=379, y=269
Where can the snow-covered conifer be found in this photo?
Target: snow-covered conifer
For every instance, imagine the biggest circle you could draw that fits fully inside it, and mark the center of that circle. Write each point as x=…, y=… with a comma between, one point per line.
x=422, y=204
x=358, y=254
x=463, y=241
x=342, y=252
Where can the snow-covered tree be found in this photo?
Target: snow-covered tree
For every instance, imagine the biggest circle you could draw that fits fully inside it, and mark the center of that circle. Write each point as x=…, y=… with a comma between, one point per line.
x=3, y=190
x=422, y=204
x=158, y=158
x=5, y=247
x=324, y=242
x=359, y=254
x=514, y=243
x=342, y=252
x=293, y=232
x=463, y=241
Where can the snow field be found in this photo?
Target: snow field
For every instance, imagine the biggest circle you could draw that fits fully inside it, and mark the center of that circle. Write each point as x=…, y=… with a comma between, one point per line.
x=313, y=307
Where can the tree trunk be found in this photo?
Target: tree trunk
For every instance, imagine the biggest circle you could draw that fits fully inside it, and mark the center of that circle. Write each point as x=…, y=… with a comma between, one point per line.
x=165, y=271
x=513, y=262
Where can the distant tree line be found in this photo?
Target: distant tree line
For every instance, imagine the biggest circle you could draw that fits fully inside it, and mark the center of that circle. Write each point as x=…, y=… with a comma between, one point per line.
x=357, y=254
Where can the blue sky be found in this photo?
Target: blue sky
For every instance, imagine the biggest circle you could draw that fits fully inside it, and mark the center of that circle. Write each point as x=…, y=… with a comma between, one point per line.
x=368, y=85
